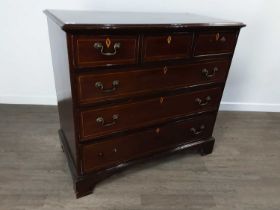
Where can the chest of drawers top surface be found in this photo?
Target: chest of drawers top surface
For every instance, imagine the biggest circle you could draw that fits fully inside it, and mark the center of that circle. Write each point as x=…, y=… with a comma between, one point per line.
x=71, y=20
x=133, y=86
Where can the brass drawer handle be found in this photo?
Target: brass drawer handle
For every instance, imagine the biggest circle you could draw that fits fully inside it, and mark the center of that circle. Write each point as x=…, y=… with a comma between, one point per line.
x=206, y=73
x=219, y=38
x=101, y=121
x=99, y=46
x=223, y=39
x=195, y=131
x=115, y=85
x=202, y=102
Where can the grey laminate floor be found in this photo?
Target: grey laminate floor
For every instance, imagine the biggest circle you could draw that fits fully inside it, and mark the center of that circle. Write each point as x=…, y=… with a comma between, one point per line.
x=242, y=173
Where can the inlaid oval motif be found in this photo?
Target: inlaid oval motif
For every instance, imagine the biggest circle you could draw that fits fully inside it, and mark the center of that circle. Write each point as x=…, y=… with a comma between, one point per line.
x=169, y=38
x=108, y=42
x=217, y=36
x=165, y=69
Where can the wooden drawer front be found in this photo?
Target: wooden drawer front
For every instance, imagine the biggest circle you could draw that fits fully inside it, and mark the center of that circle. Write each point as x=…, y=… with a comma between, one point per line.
x=100, y=87
x=104, y=121
x=215, y=43
x=116, y=150
x=165, y=47
x=92, y=51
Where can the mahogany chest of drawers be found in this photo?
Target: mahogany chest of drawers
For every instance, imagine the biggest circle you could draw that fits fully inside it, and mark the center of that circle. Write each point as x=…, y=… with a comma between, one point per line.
x=136, y=86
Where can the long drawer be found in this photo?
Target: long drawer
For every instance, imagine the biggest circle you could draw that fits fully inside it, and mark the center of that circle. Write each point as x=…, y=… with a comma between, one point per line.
x=96, y=87
x=99, y=122
x=119, y=149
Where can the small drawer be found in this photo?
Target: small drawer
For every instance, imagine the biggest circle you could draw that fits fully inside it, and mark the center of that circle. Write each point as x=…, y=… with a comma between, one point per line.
x=116, y=150
x=105, y=121
x=215, y=43
x=93, y=51
x=97, y=87
x=167, y=47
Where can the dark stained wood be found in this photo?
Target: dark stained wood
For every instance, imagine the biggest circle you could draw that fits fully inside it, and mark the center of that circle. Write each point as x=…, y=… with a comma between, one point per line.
x=92, y=20
x=139, y=81
x=146, y=112
x=126, y=80
x=58, y=42
x=215, y=43
x=120, y=149
x=86, y=55
x=167, y=46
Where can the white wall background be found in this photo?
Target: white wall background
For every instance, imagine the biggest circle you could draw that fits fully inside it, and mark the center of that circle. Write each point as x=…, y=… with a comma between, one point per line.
x=26, y=75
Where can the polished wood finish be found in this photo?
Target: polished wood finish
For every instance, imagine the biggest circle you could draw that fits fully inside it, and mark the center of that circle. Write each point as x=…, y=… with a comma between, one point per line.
x=131, y=91
x=108, y=153
x=86, y=55
x=167, y=47
x=146, y=112
x=215, y=43
x=102, y=20
x=133, y=82
x=63, y=86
